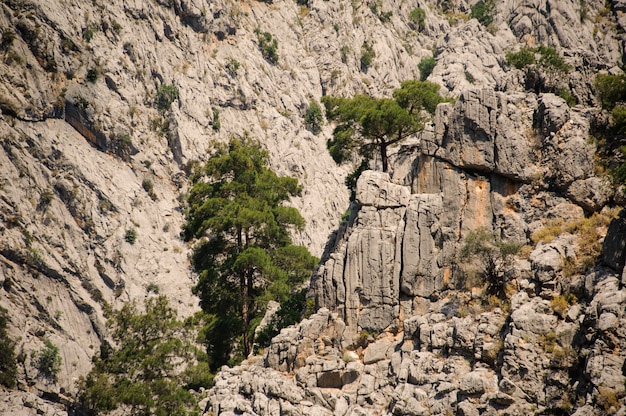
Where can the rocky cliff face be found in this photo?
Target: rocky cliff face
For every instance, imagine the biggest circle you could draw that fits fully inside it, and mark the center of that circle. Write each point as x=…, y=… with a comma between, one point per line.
x=87, y=155
x=400, y=331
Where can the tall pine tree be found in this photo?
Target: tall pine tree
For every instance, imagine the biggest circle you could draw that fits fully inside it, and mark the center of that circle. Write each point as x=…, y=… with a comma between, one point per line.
x=237, y=215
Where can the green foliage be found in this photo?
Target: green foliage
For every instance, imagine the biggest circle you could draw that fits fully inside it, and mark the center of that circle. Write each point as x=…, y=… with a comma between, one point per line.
x=143, y=374
x=549, y=58
x=290, y=312
x=426, y=67
x=232, y=66
x=130, y=236
x=92, y=75
x=268, y=46
x=89, y=31
x=417, y=18
x=353, y=177
x=148, y=186
x=216, y=119
x=521, y=59
x=153, y=288
x=248, y=257
x=48, y=361
x=618, y=171
x=314, y=118
x=566, y=94
x=166, y=95
x=367, y=124
x=376, y=8
x=611, y=89
x=483, y=11
x=8, y=366
x=345, y=50
x=367, y=55
x=491, y=258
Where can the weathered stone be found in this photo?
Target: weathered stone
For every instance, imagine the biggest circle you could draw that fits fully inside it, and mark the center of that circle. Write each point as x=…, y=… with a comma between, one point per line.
x=475, y=382
x=552, y=113
x=421, y=246
x=614, y=246
x=535, y=316
x=592, y=194
x=379, y=350
x=375, y=189
x=466, y=408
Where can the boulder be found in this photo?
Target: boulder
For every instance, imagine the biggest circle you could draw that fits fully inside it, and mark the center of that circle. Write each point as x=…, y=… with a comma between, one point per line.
x=552, y=113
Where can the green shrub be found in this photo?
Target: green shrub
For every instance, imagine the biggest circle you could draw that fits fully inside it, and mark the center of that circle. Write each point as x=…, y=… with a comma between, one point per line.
x=367, y=55
x=619, y=170
x=550, y=59
x=166, y=95
x=148, y=186
x=216, y=119
x=485, y=256
x=268, y=46
x=314, y=118
x=89, y=31
x=92, y=75
x=417, y=18
x=232, y=66
x=130, y=236
x=566, y=94
x=8, y=366
x=521, y=59
x=117, y=28
x=483, y=11
x=48, y=361
x=611, y=89
x=426, y=67
x=152, y=288
x=289, y=313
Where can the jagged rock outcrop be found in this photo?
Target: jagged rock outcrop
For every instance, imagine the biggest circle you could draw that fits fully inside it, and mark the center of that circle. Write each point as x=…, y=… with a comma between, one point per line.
x=413, y=338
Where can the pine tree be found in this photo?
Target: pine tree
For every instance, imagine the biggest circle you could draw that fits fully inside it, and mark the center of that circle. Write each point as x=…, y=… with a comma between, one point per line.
x=367, y=124
x=143, y=372
x=244, y=255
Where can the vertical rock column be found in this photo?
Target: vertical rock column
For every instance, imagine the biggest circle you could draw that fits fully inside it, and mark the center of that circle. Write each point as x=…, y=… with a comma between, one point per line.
x=423, y=271
x=394, y=246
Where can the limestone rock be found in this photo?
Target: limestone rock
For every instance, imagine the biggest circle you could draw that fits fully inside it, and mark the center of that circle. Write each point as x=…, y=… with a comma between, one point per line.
x=552, y=113
x=614, y=247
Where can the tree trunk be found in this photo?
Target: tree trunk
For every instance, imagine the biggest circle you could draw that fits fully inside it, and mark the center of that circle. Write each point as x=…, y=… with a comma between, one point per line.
x=245, y=312
x=246, y=307
x=383, y=156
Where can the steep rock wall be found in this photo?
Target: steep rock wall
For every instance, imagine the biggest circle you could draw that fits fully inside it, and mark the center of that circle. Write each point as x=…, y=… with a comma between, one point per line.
x=399, y=330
